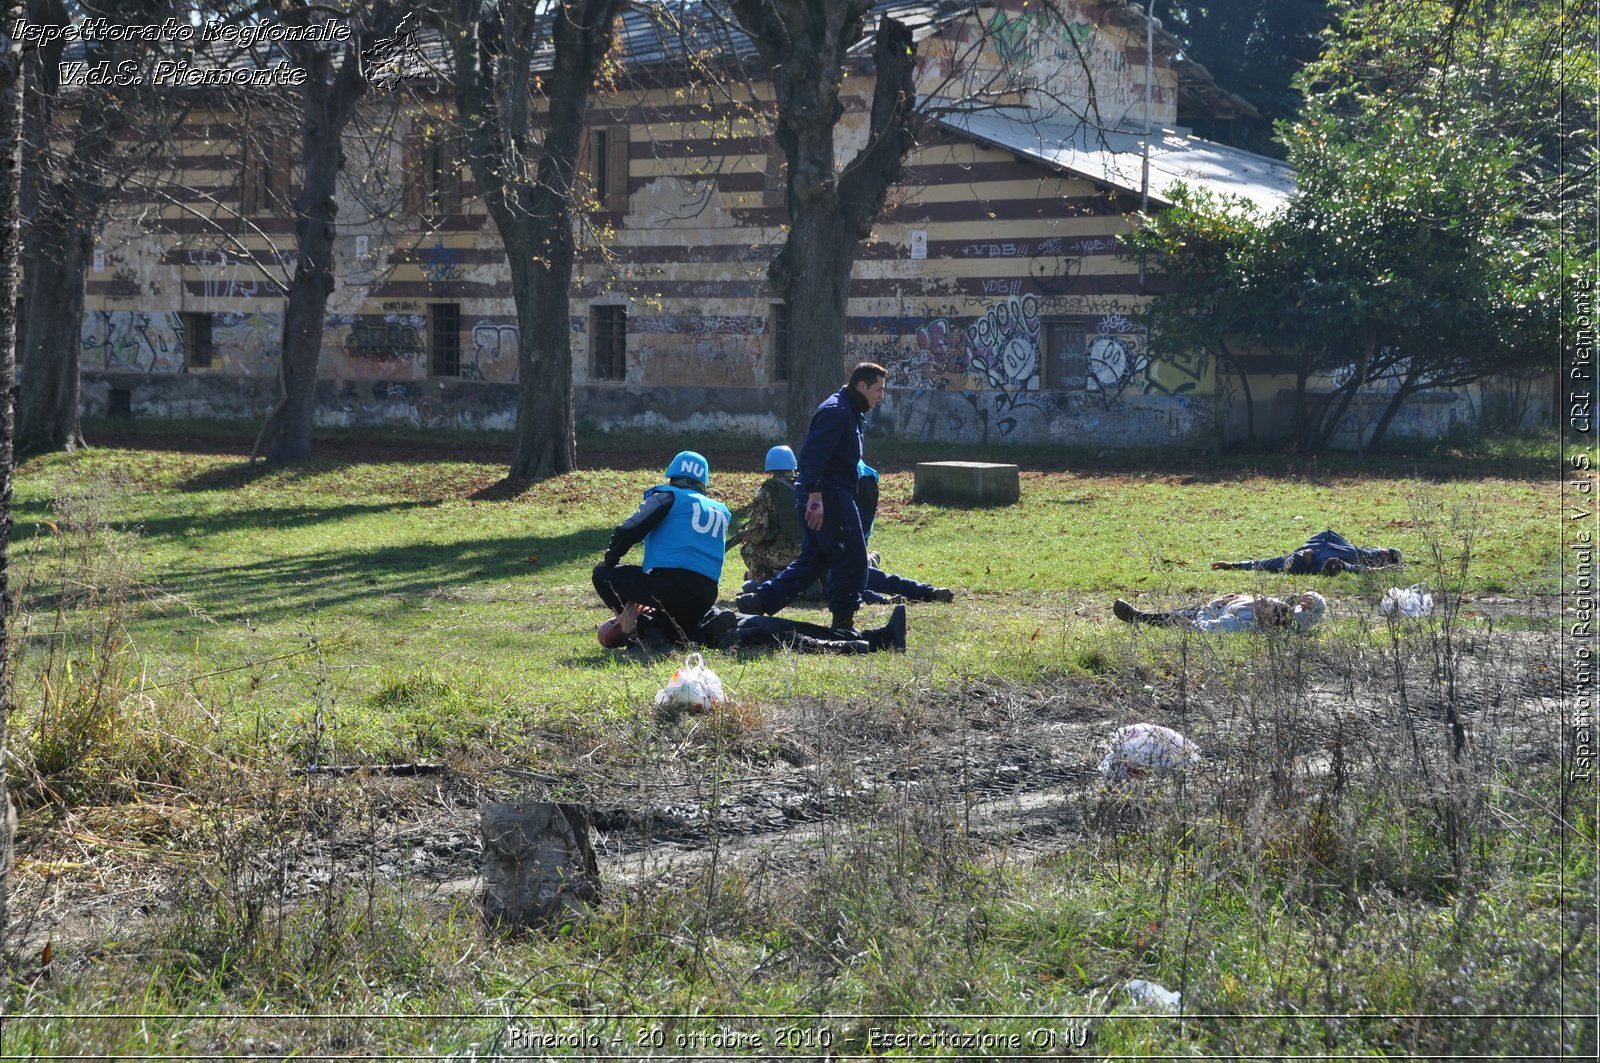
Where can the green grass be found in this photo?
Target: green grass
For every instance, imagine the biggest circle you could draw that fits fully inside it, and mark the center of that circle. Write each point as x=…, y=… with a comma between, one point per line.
x=234, y=622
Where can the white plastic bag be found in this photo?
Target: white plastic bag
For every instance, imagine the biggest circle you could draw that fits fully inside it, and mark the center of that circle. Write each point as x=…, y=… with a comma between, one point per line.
x=1154, y=996
x=1413, y=601
x=1142, y=749
x=694, y=686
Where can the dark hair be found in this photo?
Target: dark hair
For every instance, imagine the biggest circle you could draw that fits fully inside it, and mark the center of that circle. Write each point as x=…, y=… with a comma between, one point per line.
x=868, y=372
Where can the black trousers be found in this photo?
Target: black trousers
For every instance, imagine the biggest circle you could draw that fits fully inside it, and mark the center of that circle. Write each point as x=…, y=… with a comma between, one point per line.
x=678, y=596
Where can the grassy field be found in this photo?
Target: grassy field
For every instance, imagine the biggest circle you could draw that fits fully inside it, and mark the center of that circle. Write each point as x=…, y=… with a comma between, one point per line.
x=192, y=630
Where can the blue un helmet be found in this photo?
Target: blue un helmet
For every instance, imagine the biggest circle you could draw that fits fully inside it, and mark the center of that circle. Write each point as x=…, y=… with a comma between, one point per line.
x=689, y=465
x=781, y=459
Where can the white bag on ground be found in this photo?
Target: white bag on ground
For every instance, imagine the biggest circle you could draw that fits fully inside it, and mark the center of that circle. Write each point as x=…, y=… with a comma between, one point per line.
x=1413, y=601
x=694, y=686
x=1141, y=749
x=1154, y=996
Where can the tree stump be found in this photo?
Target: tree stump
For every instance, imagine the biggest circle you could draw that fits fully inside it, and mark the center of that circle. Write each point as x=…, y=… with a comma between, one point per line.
x=538, y=866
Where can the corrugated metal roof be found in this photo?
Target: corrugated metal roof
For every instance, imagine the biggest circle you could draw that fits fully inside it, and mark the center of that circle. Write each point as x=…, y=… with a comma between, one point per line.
x=1115, y=157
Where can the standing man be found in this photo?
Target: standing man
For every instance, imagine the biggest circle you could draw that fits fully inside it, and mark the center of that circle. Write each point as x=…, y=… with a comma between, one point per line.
x=684, y=533
x=831, y=540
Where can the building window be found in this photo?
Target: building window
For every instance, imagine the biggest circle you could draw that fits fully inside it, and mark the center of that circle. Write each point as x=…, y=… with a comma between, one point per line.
x=610, y=343
x=433, y=173
x=198, y=351
x=608, y=167
x=444, y=327
x=1065, y=366
x=264, y=177
x=778, y=325
x=1092, y=354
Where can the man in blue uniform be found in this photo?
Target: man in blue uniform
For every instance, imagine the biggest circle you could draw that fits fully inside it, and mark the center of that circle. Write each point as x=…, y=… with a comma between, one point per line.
x=831, y=539
x=684, y=533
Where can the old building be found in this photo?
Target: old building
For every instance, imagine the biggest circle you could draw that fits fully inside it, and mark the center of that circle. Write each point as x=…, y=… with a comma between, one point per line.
x=993, y=286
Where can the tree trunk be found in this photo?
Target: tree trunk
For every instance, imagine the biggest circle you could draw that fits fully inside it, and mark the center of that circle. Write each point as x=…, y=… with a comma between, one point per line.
x=64, y=201
x=1302, y=414
x=11, y=93
x=532, y=203
x=546, y=443
x=1244, y=383
x=1402, y=393
x=806, y=47
x=330, y=99
x=47, y=399
x=815, y=283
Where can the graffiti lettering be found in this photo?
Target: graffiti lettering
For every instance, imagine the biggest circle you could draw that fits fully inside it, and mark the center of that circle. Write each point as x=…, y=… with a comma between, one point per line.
x=152, y=343
x=696, y=325
x=1004, y=344
x=393, y=340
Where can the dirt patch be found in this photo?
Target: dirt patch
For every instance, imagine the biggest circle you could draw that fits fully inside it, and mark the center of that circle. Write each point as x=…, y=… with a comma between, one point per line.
x=1010, y=767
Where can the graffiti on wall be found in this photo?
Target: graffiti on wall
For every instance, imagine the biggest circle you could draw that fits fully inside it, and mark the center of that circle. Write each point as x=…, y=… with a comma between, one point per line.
x=1114, y=354
x=440, y=264
x=391, y=339
x=247, y=343
x=697, y=325
x=1004, y=349
x=133, y=339
x=222, y=277
x=1003, y=344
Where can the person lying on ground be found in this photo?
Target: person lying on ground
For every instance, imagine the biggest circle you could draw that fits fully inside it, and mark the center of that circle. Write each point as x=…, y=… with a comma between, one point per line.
x=725, y=629
x=1234, y=612
x=684, y=532
x=1326, y=553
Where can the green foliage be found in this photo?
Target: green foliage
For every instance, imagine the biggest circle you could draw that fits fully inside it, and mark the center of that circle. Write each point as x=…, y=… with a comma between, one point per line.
x=1253, y=48
x=1424, y=241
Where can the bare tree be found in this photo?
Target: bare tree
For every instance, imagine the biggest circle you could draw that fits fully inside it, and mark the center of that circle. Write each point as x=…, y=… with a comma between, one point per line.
x=329, y=98
x=524, y=131
x=806, y=46
x=73, y=153
x=11, y=95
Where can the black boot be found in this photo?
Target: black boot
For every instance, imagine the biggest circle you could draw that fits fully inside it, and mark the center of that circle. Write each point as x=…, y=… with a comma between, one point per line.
x=891, y=636
x=844, y=620
x=1126, y=613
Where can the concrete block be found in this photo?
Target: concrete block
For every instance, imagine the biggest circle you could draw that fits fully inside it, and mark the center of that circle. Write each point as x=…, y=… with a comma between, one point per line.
x=966, y=483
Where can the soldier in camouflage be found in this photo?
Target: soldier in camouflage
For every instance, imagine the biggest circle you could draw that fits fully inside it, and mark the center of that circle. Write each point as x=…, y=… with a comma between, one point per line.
x=770, y=536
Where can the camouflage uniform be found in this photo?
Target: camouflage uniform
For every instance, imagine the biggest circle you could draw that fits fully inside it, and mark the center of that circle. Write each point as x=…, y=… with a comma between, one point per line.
x=771, y=535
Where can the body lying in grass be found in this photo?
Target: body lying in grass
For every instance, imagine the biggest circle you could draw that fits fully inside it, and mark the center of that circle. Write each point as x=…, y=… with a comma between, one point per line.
x=1234, y=612
x=726, y=629
x=1326, y=553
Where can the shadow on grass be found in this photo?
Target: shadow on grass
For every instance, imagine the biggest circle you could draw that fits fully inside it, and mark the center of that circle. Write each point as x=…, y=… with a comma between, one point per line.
x=1524, y=457
x=278, y=587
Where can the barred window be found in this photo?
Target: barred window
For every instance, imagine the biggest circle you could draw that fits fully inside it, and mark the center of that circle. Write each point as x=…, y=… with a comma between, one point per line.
x=610, y=350
x=198, y=350
x=444, y=320
x=778, y=325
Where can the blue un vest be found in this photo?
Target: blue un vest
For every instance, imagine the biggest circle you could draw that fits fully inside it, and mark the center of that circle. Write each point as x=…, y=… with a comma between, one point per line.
x=692, y=536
